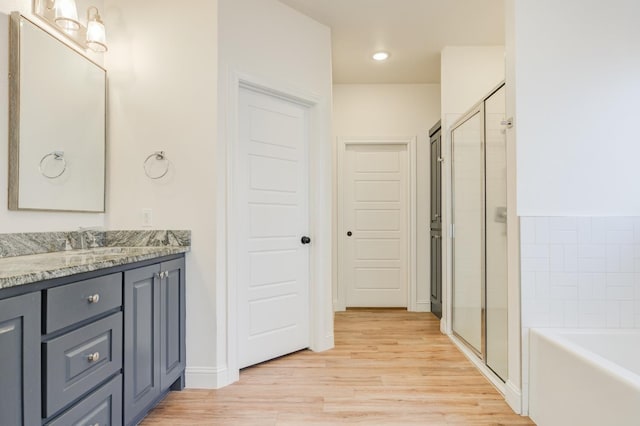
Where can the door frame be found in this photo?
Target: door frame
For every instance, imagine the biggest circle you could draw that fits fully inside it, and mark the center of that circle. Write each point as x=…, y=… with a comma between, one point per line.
x=340, y=295
x=319, y=151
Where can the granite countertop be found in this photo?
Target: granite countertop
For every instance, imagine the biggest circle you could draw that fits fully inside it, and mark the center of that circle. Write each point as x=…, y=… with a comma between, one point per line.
x=29, y=258
x=20, y=270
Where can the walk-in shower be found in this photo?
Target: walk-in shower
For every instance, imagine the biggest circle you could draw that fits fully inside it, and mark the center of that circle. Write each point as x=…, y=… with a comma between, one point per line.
x=479, y=217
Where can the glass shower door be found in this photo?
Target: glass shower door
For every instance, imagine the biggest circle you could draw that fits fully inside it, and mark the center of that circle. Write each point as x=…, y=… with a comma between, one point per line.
x=496, y=233
x=468, y=220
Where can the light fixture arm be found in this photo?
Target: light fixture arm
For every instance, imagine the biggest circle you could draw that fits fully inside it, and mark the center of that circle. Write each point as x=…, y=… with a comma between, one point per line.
x=96, y=15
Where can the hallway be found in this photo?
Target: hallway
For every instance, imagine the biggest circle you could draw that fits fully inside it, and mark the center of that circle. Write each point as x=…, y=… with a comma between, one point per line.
x=389, y=367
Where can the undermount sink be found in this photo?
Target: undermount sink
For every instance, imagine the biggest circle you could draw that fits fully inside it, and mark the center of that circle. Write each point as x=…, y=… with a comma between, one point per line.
x=110, y=251
x=99, y=254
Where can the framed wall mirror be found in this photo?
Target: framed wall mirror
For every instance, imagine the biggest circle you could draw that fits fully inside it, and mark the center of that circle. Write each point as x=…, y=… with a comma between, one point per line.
x=57, y=121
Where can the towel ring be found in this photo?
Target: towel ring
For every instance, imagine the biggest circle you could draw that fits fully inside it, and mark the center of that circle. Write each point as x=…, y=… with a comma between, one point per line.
x=158, y=156
x=58, y=156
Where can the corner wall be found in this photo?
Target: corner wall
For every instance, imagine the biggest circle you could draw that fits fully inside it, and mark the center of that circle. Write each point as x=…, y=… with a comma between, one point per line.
x=379, y=110
x=163, y=96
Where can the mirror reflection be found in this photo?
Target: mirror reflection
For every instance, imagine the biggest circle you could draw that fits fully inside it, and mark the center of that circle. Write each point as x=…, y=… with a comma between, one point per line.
x=57, y=124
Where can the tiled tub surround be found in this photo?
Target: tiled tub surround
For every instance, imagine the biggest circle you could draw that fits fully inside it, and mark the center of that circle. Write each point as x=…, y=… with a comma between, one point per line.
x=28, y=258
x=580, y=272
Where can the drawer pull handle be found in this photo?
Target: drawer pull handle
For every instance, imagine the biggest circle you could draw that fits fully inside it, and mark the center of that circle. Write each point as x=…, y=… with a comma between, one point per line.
x=7, y=329
x=94, y=298
x=94, y=357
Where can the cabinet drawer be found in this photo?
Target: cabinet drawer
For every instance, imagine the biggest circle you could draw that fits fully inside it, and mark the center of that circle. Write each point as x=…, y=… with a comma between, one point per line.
x=72, y=303
x=103, y=407
x=78, y=361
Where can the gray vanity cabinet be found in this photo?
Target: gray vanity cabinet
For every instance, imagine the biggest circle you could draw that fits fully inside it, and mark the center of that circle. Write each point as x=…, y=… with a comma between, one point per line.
x=141, y=340
x=154, y=357
x=20, y=360
x=172, y=325
x=96, y=348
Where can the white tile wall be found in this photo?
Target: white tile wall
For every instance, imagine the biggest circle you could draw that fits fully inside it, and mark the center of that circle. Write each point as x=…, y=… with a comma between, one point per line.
x=580, y=272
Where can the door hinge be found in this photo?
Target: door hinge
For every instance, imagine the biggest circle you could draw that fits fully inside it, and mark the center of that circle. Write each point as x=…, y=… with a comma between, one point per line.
x=452, y=230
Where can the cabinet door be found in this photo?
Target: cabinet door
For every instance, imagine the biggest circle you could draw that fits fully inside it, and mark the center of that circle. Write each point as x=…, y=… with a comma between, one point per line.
x=20, y=396
x=172, y=324
x=142, y=340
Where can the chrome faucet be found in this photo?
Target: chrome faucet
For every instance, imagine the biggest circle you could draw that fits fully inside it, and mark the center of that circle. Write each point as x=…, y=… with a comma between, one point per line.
x=67, y=243
x=87, y=237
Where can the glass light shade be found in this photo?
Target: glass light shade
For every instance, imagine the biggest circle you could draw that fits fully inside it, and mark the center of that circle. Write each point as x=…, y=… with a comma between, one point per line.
x=66, y=14
x=381, y=56
x=96, y=36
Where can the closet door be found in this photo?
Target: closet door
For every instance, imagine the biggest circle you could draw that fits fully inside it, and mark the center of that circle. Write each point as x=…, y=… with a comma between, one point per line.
x=468, y=219
x=496, y=233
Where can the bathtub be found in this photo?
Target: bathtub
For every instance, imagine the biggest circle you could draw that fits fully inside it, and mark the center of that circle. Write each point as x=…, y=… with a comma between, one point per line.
x=584, y=377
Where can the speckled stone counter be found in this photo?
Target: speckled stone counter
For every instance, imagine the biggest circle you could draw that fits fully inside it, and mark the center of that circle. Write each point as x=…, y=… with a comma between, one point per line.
x=29, y=258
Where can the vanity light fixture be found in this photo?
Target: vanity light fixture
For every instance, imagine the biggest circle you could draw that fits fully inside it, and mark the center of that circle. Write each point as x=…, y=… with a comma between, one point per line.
x=381, y=56
x=63, y=14
x=66, y=14
x=96, y=34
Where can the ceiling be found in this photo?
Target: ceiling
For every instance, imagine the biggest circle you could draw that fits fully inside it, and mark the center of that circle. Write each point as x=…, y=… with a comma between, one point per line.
x=413, y=31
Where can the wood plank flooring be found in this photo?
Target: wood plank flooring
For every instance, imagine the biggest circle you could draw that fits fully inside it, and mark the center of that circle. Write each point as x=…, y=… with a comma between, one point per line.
x=389, y=367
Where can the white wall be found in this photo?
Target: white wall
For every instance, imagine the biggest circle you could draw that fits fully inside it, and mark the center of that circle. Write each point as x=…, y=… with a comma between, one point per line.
x=383, y=110
x=163, y=82
x=21, y=221
x=276, y=46
x=578, y=95
x=468, y=74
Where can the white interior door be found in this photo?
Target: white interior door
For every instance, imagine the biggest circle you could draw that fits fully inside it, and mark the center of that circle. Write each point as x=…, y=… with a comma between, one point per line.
x=375, y=225
x=271, y=193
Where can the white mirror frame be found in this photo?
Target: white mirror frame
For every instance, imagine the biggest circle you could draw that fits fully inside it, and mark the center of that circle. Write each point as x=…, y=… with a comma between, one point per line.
x=59, y=187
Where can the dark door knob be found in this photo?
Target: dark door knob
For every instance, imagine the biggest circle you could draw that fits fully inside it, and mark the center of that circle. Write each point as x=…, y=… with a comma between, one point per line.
x=305, y=240
x=349, y=233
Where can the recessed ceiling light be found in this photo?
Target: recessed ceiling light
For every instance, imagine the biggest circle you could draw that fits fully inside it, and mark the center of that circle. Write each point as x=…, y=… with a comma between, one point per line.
x=381, y=56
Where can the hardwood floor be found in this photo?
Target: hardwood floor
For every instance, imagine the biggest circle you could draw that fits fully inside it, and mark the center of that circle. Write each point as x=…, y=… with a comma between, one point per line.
x=389, y=367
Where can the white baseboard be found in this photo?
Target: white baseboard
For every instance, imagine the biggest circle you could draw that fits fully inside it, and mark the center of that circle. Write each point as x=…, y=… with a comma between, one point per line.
x=323, y=344
x=209, y=377
x=423, y=306
x=513, y=396
x=337, y=307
